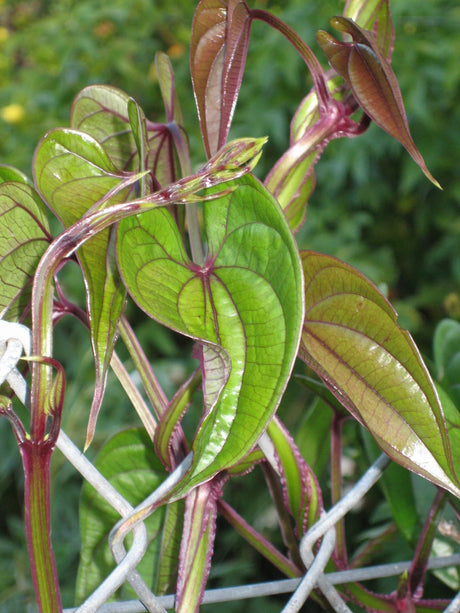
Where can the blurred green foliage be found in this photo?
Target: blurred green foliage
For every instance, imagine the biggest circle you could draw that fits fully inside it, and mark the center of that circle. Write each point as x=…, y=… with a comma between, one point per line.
x=372, y=206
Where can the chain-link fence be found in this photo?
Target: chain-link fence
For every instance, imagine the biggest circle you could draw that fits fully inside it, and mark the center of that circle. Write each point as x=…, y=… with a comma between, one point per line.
x=15, y=339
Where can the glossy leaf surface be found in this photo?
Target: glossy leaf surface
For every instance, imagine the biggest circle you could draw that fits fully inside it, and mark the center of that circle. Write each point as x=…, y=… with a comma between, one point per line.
x=130, y=465
x=102, y=112
x=10, y=173
x=372, y=81
x=73, y=172
x=244, y=306
x=24, y=237
x=217, y=58
x=351, y=339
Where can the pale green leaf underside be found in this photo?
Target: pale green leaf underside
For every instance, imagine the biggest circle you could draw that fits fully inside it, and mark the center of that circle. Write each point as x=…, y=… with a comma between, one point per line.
x=101, y=111
x=24, y=237
x=351, y=338
x=245, y=305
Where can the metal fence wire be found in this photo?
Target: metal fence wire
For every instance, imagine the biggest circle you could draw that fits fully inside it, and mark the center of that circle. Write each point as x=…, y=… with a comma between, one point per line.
x=15, y=339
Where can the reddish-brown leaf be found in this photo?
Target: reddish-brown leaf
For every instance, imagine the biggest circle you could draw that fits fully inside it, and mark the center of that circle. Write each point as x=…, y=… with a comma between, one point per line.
x=220, y=36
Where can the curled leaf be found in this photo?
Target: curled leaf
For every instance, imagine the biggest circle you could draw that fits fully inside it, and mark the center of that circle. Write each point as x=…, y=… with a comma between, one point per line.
x=102, y=112
x=220, y=36
x=372, y=81
x=244, y=306
x=351, y=339
x=73, y=172
x=168, y=88
x=197, y=544
x=302, y=494
x=373, y=15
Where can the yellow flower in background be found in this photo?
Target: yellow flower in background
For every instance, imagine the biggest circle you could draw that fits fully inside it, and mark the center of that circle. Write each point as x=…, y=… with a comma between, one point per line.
x=4, y=33
x=12, y=113
x=176, y=51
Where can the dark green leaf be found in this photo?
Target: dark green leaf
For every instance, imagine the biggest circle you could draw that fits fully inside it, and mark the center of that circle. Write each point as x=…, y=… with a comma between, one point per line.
x=397, y=485
x=129, y=463
x=446, y=346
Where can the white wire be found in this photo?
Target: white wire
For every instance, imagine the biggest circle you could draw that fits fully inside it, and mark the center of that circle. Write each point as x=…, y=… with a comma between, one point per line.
x=283, y=586
x=15, y=338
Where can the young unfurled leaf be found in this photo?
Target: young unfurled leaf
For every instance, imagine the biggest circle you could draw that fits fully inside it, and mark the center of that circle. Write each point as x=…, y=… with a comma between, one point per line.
x=372, y=82
x=373, y=15
x=24, y=237
x=168, y=563
x=197, y=544
x=169, y=438
x=300, y=488
x=351, y=339
x=73, y=172
x=244, y=305
x=168, y=88
x=218, y=52
x=292, y=178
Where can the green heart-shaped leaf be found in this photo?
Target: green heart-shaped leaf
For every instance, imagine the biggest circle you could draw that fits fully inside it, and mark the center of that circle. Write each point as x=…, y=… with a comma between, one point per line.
x=73, y=172
x=244, y=306
x=351, y=339
x=24, y=238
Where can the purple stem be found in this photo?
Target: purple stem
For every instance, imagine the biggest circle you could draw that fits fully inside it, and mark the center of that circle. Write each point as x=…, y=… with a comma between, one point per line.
x=36, y=460
x=317, y=73
x=336, y=485
x=257, y=541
